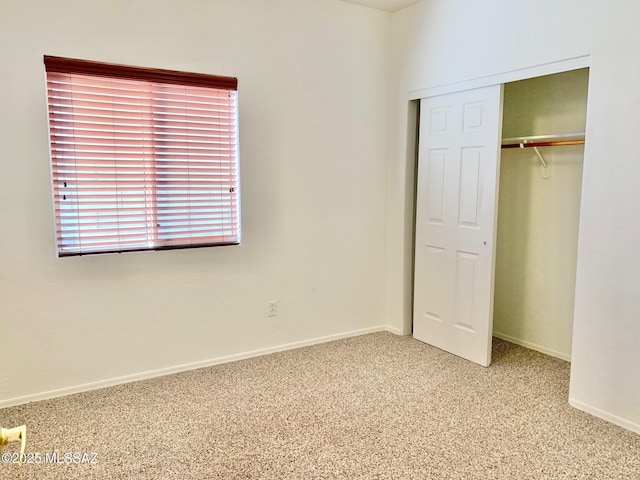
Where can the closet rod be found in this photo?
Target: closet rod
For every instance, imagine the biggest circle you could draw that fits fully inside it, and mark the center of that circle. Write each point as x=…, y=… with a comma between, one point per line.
x=558, y=140
x=561, y=143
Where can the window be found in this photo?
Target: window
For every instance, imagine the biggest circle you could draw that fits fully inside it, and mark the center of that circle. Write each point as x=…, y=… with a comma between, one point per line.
x=141, y=159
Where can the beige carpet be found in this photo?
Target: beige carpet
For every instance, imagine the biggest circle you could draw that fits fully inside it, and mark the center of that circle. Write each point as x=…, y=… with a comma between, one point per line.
x=376, y=406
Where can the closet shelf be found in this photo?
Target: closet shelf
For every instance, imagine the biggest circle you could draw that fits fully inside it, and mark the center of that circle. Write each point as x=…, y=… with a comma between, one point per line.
x=558, y=140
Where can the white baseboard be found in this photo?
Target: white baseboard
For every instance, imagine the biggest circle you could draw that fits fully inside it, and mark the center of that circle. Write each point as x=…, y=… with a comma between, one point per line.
x=395, y=331
x=596, y=412
x=36, y=397
x=533, y=346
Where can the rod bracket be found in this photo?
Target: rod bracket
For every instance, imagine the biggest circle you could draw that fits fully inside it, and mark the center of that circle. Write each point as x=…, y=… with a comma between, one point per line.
x=546, y=173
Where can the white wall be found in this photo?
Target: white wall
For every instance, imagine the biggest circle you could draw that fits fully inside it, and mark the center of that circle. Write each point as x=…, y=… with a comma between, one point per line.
x=439, y=42
x=538, y=217
x=313, y=96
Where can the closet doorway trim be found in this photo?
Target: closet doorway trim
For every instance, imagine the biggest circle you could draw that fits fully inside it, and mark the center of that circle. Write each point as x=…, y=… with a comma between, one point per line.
x=550, y=68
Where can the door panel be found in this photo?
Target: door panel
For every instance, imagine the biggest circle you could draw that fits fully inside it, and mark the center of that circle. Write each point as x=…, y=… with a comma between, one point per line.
x=469, y=187
x=437, y=160
x=455, y=221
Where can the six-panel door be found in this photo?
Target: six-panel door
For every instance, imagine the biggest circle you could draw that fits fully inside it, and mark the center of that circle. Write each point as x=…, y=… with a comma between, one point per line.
x=458, y=162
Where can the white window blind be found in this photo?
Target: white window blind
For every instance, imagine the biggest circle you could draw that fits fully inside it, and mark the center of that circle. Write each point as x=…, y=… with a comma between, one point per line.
x=141, y=159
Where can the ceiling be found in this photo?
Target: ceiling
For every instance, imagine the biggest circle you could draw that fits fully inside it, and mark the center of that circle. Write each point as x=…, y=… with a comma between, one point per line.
x=388, y=5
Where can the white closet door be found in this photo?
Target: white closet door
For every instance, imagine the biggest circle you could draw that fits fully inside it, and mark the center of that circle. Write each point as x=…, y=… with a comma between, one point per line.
x=456, y=221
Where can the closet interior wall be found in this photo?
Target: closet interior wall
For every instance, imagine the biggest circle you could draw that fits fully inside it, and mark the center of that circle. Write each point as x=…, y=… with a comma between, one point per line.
x=538, y=217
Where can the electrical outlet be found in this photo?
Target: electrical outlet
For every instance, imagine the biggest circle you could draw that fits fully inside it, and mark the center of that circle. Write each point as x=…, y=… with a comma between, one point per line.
x=272, y=308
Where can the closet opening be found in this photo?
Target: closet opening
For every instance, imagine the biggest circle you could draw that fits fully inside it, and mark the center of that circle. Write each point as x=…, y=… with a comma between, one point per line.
x=497, y=206
x=540, y=185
